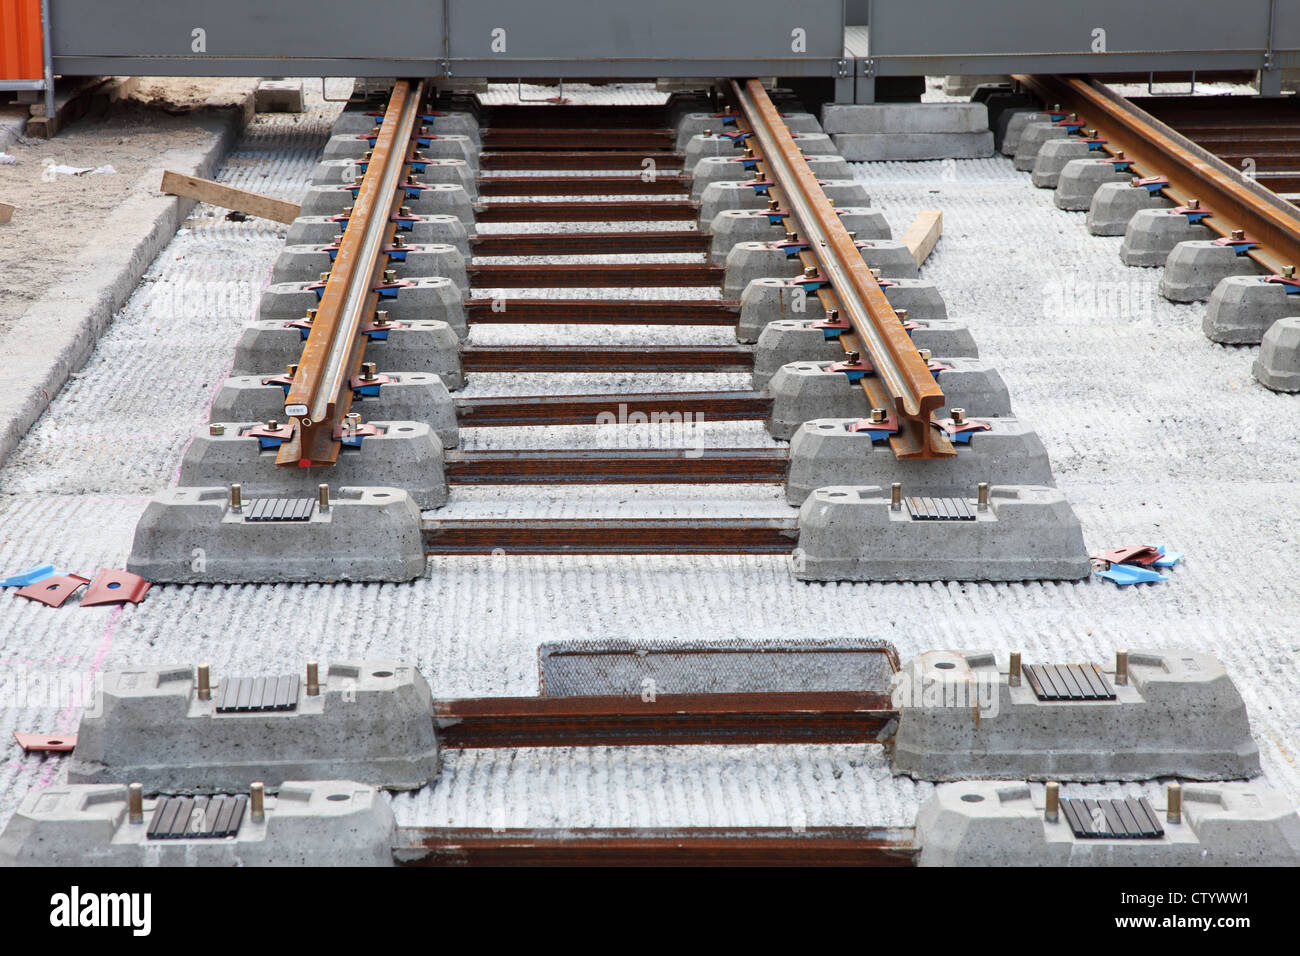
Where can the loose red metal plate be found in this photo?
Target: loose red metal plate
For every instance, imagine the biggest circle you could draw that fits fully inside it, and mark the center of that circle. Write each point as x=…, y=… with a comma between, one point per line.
x=46, y=743
x=1138, y=554
x=115, y=587
x=53, y=591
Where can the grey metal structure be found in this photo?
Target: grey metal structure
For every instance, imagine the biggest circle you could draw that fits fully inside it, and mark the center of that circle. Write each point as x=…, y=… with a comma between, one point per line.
x=633, y=39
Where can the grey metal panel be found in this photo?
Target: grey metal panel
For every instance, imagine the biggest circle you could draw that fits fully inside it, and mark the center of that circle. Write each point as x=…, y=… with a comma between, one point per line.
x=596, y=30
x=243, y=29
x=1286, y=26
x=1061, y=63
x=943, y=28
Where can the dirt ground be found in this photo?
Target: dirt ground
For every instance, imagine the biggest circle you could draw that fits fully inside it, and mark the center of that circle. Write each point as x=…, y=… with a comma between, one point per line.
x=58, y=213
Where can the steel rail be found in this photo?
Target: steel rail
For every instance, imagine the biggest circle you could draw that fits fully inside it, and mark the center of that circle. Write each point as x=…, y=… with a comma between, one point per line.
x=907, y=382
x=1155, y=149
x=684, y=846
x=319, y=398
x=789, y=717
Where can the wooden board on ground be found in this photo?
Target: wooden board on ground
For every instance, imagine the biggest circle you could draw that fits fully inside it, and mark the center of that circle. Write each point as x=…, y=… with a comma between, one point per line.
x=6, y=211
x=228, y=197
x=923, y=233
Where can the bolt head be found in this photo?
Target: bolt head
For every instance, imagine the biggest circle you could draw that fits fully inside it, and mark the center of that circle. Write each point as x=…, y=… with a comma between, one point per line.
x=216, y=429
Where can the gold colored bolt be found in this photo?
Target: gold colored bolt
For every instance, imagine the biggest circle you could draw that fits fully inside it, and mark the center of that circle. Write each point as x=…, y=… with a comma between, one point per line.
x=982, y=496
x=368, y=371
x=236, y=497
x=1121, y=667
x=1052, y=810
x=216, y=429
x=398, y=242
x=773, y=204
x=875, y=273
x=324, y=277
x=1092, y=134
x=1288, y=272
x=902, y=314
x=381, y=317
x=925, y=355
x=1013, y=671
x=291, y=370
x=323, y=496
x=958, y=416
x=338, y=240
x=313, y=679
x=311, y=313
x=404, y=211
x=792, y=237
x=810, y=272
x=1238, y=234
x=390, y=275
x=833, y=315
x=1174, y=803
x=853, y=235
x=257, y=802
x=205, y=682
x=135, y=803
x=1120, y=155
x=853, y=358
x=347, y=212
x=896, y=496
x=1193, y=204
x=273, y=425
x=877, y=415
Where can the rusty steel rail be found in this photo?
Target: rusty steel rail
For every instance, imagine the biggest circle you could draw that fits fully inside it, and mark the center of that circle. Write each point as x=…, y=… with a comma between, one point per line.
x=792, y=717
x=902, y=384
x=610, y=536
x=685, y=846
x=616, y=466
x=320, y=397
x=1155, y=149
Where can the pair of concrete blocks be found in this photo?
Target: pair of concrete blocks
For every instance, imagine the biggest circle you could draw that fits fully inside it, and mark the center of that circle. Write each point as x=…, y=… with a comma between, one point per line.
x=771, y=299
x=433, y=229
x=908, y=131
x=693, y=124
x=734, y=226
x=748, y=261
x=1194, y=262
x=744, y=194
x=354, y=146
x=306, y=263
x=718, y=169
x=429, y=199
x=1265, y=311
x=711, y=145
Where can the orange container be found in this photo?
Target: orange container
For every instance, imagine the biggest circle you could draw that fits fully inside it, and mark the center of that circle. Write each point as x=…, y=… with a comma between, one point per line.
x=21, y=41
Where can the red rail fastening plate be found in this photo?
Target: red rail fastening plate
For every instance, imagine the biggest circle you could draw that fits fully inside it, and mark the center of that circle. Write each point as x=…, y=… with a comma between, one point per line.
x=46, y=743
x=53, y=591
x=1137, y=554
x=115, y=587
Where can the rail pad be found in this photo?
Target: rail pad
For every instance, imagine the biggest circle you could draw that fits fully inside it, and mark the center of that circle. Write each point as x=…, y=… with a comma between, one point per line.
x=1027, y=533
x=316, y=823
x=991, y=823
x=1179, y=714
x=366, y=720
x=191, y=536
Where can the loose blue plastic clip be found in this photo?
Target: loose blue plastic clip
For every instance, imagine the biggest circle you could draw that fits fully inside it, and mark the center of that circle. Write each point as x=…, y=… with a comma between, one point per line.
x=1126, y=574
x=30, y=576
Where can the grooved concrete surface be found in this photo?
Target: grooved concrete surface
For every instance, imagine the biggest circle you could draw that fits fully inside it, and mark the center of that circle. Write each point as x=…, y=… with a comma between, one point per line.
x=1156, y=435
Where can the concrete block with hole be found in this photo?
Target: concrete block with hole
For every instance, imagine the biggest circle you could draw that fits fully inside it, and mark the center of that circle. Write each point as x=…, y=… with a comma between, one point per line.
x=1176, y=713
x=192, y=536
x=1053, y=157
x=742, y=195
x=825, y=452
x=733, y=226
x=306, y=263
x=1194, y=269
x=1278, y=365
x=353, y=146
x=403, y=396
x=370, y=721
x=434, y=198
x=1080, y=179
x=268, y=348
x=406, y=455
x=308, y=823
x=1031, y=141
x=1153, y=233
x=1115, y=204
x=413, y=299
x=991, y=823
x=853, y=533
x=799, y=340
x=1242, y=308
x=426, y=230
x=748, y=261
x=804, y=391
x=695, y=124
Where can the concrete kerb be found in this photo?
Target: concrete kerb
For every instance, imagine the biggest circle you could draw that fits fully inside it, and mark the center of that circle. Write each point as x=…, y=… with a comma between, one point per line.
x=406, y=455
x=193, y=536
x=370, y=721
x=1177, y=713
x=909, y=131
x=991, y=823
x=824, y=452
x=57, y=334
x=1194, y=269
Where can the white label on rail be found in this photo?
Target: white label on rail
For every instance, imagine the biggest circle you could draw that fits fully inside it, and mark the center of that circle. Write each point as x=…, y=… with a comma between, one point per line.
x=294, y=411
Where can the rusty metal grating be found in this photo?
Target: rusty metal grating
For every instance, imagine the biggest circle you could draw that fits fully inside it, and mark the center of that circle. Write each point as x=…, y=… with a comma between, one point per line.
x=1068, y=682
x=280, y=509
x=250, y=694
x=939, y=509
x=1124, y=819
x=197, y=818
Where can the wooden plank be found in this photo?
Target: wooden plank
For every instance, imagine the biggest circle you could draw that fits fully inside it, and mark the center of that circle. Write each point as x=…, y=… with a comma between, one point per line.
x=228, y=197
x=923, y=233
x=6, y=211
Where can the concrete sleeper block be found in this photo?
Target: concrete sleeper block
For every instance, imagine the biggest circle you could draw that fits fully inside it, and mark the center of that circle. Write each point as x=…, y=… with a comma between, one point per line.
x=1027, y=533
x=1194, y=269
x=434, y=198
x=1017, y=123
x=371, y=721
x=353, y=146
x=406, y=396
x=741, y=195
x=306, y=263
x=694, y=124
x=1179, y=715
x=267, y=348
x=413, y=299
x=454, y=122
x=731, y=168
x=1153, y=233
x=309, y=823
x=1081, y=178
x=748, y=261
x=701, y=146
x=799, y=340
x=734, y=226
x=1278, y=365
x=1242, y=308
x=1052, y=159
x=823, y=452
x=191, y=536
x=991, y=823
x=1032, y=140
x=1115, y=204
x=434, y=229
